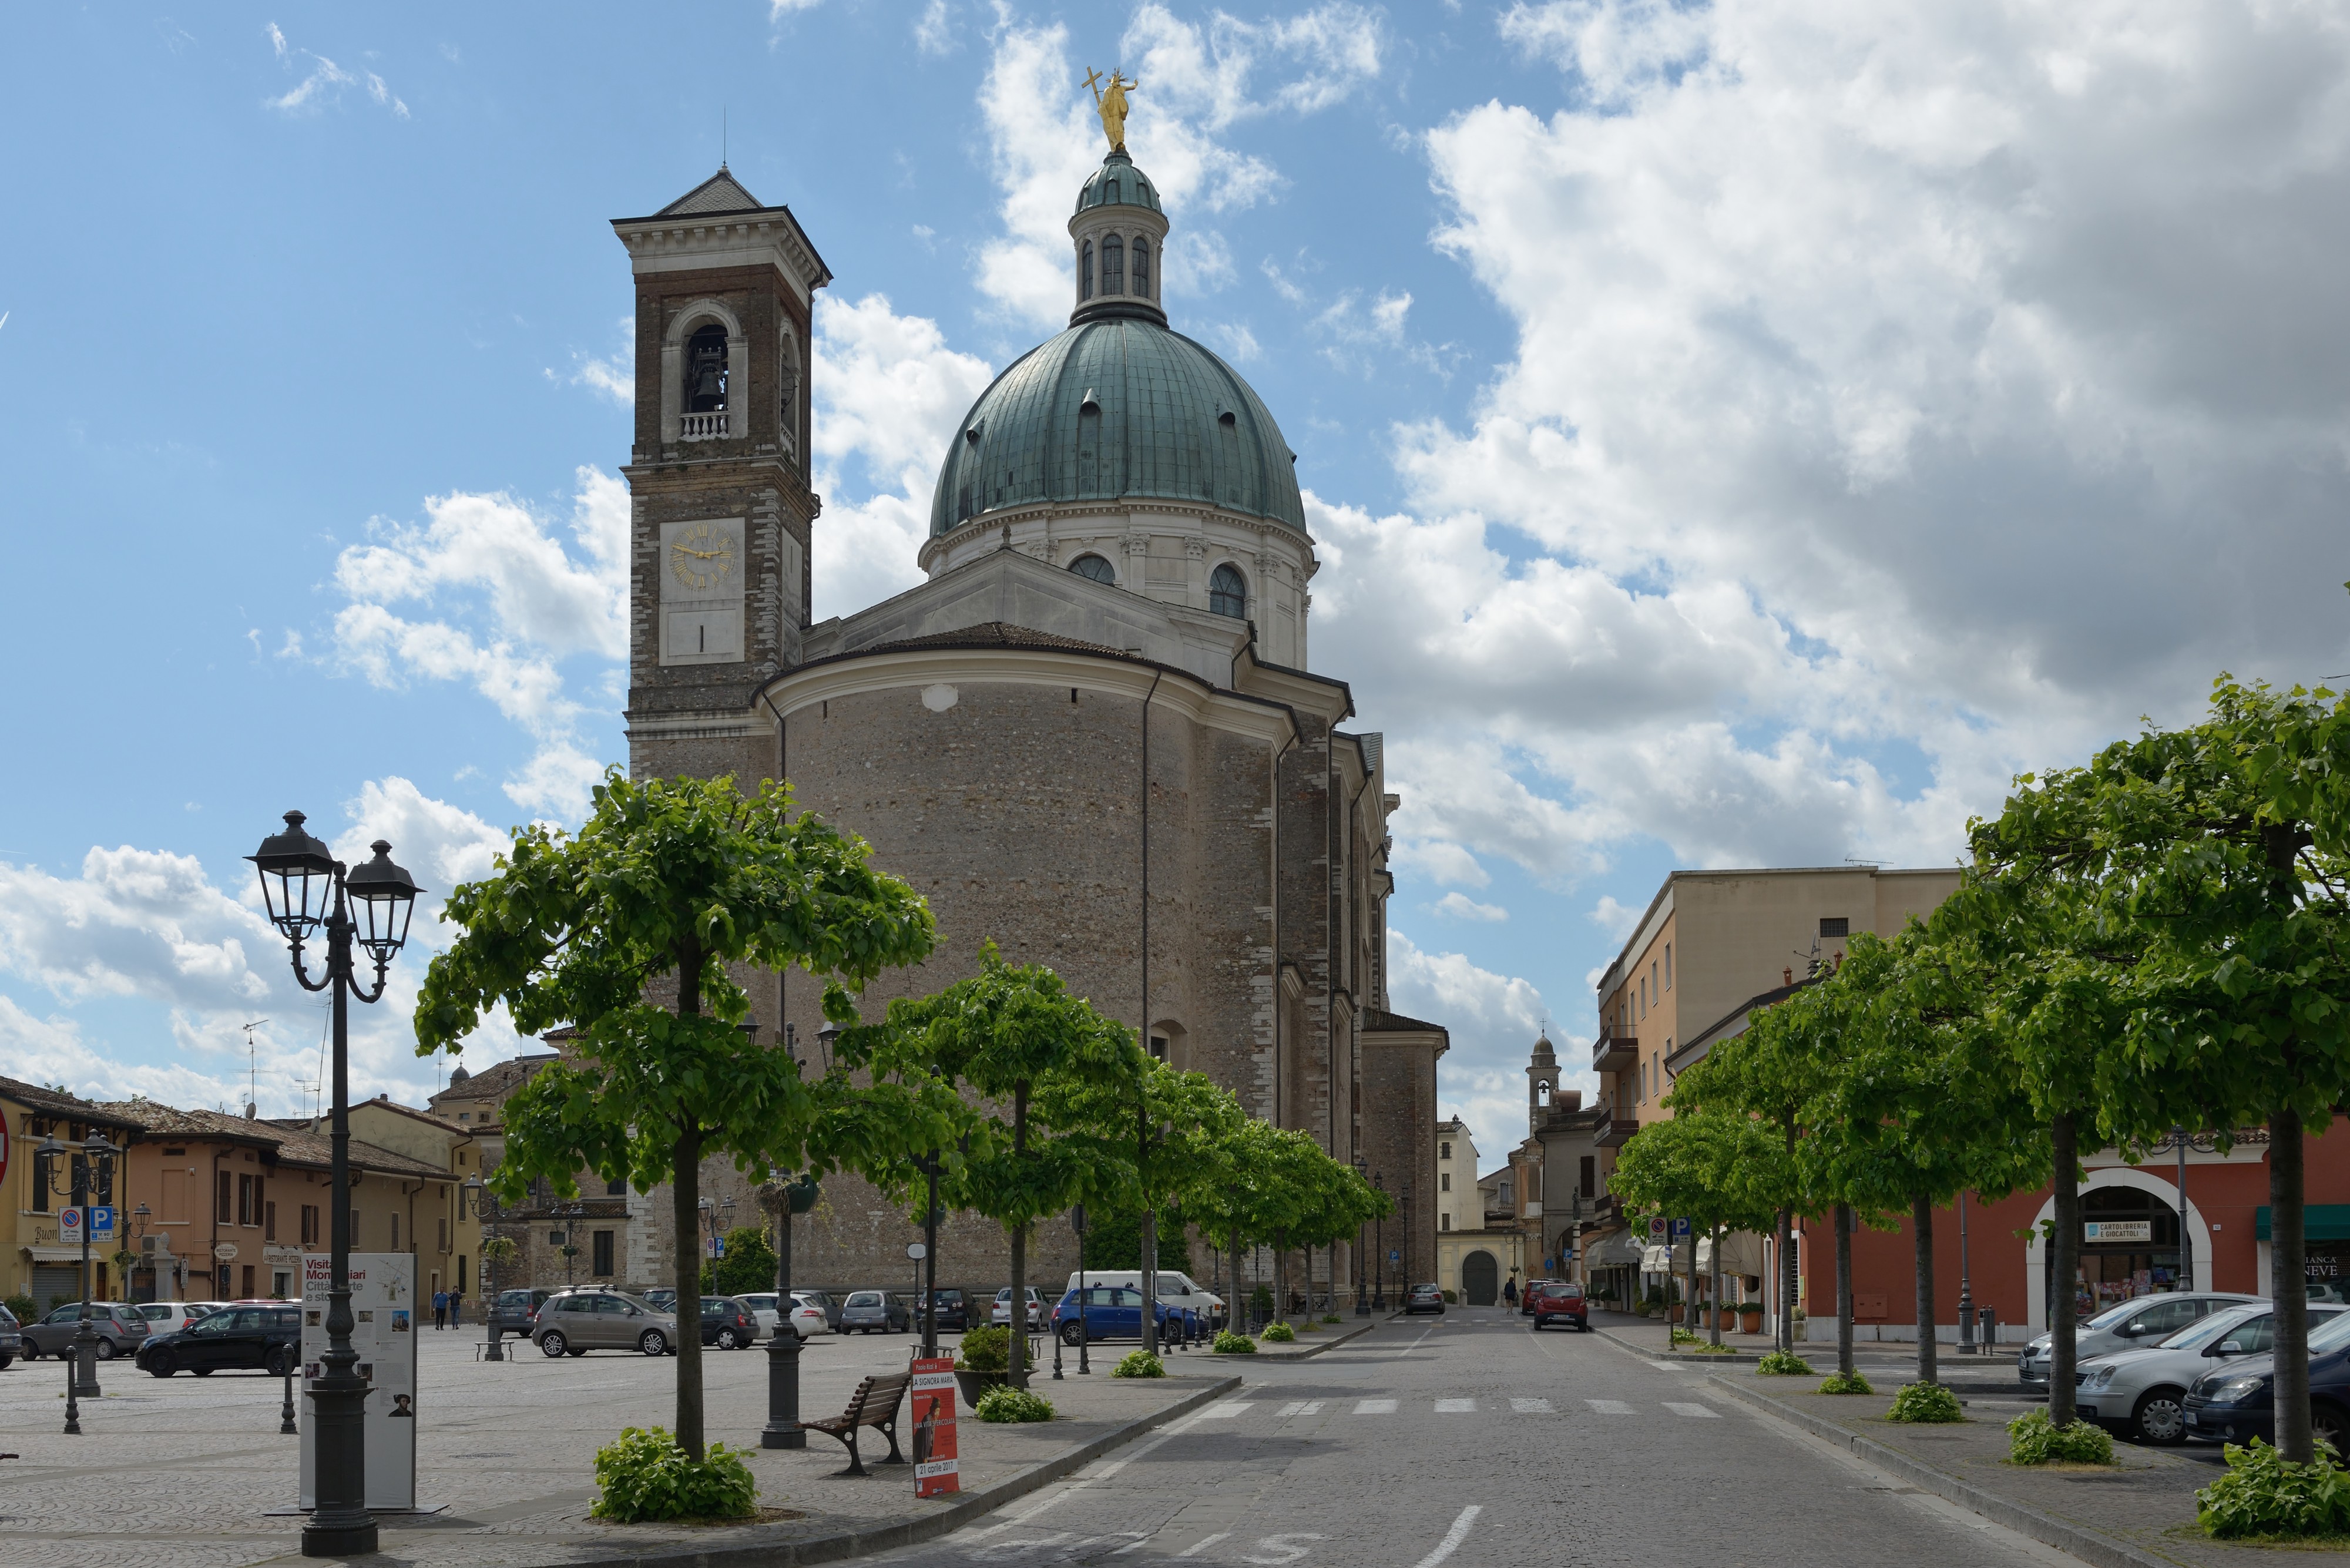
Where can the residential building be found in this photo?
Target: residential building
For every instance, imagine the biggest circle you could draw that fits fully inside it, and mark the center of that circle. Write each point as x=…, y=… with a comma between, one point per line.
x=444, y=1228
x=1456, y=1205
x=40, y=1264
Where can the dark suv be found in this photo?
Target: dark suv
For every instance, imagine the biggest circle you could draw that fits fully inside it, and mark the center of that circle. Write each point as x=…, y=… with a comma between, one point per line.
x=514, y=1311
x=728, y=1324
x=252, y=1338
x=1558, y=1301
x=952, y=1311
x=1424, y=1298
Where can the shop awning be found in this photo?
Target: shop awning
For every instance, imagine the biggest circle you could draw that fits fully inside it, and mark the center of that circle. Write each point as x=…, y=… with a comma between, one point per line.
x=1662, y=1260
x=1618, y=1250
x=2320, y=1222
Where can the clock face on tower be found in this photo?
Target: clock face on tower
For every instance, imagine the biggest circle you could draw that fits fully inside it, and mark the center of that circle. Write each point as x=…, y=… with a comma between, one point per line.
x=704, y=558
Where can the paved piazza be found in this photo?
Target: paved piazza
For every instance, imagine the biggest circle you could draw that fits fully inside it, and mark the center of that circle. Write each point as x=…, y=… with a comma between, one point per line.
x=1469, y=1441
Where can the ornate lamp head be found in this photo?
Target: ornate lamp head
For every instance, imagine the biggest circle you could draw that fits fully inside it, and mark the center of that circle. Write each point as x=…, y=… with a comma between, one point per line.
x=298, y=880
x=386, y=897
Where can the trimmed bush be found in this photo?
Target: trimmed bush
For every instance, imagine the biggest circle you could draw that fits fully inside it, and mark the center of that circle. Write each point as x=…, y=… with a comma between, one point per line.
x=1230, y=1343
x=1684, y=1336
x=646, y=1476
x=20, y=1307
x=2265, y=1494
x=1332, y=1317
x=1926, y=1404
x=1451, y=1298
x=1139, y=1364
x=1837, y=1382
x=987, y=1349
x=1279, y=1332
x=2034, y=1439
x=1779, y=1364
x=1008, y=1404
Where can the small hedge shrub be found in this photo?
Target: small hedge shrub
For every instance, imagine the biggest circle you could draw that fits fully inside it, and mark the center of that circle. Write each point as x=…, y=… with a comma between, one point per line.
x=1230, y=1343
x=1926, y=1404
x=646, y=1476
x=1139, y=1364
x=1839, y=1383
x=2263, y=1494
x=987, y=1349
x=1279, y=1332
x=1780, y=1363
x=1008, y=1404
x=2034, y=1439
x=1332, y=1317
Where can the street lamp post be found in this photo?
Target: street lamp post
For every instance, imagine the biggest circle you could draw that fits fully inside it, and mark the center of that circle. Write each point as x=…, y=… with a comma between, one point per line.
x=306, y=889
x=1362, y=1264
x=1085, y=1339
x=929, y=1286
x=95, y=1167
x=782, y=1198
x=1379, y=1246
x=1966, y=1290
x=485, y=1208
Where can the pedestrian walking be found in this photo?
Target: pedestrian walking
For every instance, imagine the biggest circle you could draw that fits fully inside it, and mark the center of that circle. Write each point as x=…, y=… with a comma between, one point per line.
x=440, y=1309
x=1510, y=1293
x=456, y=1309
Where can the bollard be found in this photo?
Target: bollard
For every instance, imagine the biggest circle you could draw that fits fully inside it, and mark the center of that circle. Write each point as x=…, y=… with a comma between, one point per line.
x=287, y=1425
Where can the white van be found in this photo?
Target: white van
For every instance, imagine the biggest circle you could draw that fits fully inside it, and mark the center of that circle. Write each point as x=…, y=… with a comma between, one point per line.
x=1176, y=1288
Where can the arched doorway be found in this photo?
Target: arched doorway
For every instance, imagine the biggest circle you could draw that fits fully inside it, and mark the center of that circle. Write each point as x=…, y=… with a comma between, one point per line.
x=1481, y=1278
x=2119, y=1200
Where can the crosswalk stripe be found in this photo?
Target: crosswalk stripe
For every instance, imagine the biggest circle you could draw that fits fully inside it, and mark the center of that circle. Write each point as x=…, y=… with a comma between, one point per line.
x=1456, y=1406
x=1608, y=1407
x=1374, y=1407
x=1298, y=1407
x=1679, y=1408
x=1230, y=1407
x=1531, y=1407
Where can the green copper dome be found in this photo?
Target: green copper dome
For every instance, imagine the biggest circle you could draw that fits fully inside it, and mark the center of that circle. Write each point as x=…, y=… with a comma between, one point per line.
x=1117, y=182
x=1116, y=408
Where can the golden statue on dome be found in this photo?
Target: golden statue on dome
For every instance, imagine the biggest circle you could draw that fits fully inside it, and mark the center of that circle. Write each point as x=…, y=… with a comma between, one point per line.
x=1111, y=104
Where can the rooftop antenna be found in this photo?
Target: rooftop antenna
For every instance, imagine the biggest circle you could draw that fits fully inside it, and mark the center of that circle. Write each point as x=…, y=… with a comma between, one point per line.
x=252, y=1069
x=722, y=135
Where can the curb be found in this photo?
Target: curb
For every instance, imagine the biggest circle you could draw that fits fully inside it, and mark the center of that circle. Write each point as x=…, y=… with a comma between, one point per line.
x=1734, y=1358
x=2088, y=1545
x=1309, y=1352
x=968, y=1508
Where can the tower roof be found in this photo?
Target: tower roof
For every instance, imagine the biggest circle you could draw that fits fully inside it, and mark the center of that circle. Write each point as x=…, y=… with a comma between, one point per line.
x=1546, y=1054
x=1117, y=183
x=722, y=193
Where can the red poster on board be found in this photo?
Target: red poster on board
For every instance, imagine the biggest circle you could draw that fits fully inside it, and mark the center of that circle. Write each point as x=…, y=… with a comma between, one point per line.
x=936, y=1471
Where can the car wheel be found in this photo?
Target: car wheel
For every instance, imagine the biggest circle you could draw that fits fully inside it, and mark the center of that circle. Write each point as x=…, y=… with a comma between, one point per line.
x=653, y=1342
x=727, y=1340
x=2327, y=1423
x=107, y=1350
x=280, y=1361
x=2159, y=1419
x=1069, y=1335
x=162, y=1364
x=552, y=1345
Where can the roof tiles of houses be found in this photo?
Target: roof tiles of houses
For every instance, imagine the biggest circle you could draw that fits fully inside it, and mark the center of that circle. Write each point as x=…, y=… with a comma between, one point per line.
x=293, y=1145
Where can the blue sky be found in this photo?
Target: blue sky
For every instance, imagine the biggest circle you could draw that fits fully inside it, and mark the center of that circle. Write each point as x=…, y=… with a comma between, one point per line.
x=1737, y=434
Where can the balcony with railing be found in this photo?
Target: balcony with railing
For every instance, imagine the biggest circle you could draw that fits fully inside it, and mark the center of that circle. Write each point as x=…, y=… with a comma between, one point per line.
x=703, y=427
x=1615, y=1053
x=1616, y=1131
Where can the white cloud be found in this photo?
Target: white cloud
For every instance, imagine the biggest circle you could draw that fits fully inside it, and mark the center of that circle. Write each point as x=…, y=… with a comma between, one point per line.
x=612, y=375
x=1614, y=918
x=779, y=9
x=1461, y=907
x=325, y=82
x=934, y=32
x=1492, y=1020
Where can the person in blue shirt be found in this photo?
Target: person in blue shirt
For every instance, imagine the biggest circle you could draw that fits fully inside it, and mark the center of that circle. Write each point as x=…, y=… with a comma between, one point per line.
x=440, y=1309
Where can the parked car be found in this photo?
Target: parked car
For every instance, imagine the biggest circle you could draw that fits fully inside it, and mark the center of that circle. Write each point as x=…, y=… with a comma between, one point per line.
x=2142, y=1394
x=2236, y=1403
x=169, y=1317
x=953, y=1311
x=825, y=1303
x=874, y=1311
x=2148, y=1320
x=1424, y=1298
x=1111, y=1312
x=515, y=1310
x=728, y=1324
x=1001, y=1313
x=1176, y=1288
x=1558, y=1301
x=118, y=1326
x=12, y=1338
x=807, y=1318
x=574, y=1321
x=662, y=1299
x=252, y=1338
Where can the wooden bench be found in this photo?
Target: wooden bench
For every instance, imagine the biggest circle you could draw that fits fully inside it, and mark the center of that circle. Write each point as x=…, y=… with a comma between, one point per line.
x=875, y=1405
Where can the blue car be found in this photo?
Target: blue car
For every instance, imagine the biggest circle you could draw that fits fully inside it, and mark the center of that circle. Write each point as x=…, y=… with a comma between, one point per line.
x=2236, y=1403
x=1114, y=1312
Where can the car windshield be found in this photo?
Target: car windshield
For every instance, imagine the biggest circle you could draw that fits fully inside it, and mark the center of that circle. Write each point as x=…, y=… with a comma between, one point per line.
x=2196, y=1335
x=2332, y=1336
x=2112, y=1315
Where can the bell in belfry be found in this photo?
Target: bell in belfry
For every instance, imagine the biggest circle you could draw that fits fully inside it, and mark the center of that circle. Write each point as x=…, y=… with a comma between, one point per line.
x=708, y=380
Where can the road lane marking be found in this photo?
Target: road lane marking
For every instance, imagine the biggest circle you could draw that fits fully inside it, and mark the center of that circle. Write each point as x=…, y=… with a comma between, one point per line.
x=1608, y=1407
x=1202, y=1544
x=1679, y=1408
x=1456, y=1406
x=1298, y=1407
x=1452, y=1537
x=1229, y=1408
x=1374, y=1407
x=1283, y=1544
x=1092, y=1475
x=1531, y=1407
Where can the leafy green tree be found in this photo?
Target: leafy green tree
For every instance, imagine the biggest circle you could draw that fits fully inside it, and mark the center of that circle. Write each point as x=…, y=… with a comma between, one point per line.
x=1713, y=1166
x=630, y=933
x=1005, y=1033
x=2221, y=855
x=747, y=1267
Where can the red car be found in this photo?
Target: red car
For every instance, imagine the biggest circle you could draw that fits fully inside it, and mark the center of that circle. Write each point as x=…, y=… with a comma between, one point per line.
x=1558, y=1300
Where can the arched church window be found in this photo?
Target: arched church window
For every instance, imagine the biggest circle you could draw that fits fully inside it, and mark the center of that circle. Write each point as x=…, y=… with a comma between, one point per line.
x=1228, y=593
x=1113, y=265
x=1095, y=568
x=1142, y=268
x=705, y=370
x=1085, y=271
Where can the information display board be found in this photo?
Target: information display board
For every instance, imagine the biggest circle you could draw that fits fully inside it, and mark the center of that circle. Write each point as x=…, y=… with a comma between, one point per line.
x=383, y=1302
x=937, y=1472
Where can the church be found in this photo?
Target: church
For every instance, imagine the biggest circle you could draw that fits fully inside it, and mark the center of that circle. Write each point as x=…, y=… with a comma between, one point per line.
x=1091, y=735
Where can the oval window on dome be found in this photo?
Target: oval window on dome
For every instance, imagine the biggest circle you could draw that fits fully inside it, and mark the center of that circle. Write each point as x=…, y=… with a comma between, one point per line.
x=1228, y=593
x=1095, y=568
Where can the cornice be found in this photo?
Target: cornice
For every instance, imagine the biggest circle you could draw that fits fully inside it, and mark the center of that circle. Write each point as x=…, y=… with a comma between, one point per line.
x=675, y=243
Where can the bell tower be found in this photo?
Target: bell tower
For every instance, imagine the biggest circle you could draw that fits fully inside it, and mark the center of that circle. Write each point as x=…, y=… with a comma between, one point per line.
x=718, y=475
x=1542, y=1083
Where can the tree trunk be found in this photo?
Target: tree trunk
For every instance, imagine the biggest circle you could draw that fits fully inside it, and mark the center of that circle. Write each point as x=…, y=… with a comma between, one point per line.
x=1233, y=1305
x=1921, y=1218
x=1018, y=1374
x=1150, y=1280
x=1844, y=1367
x=2287, y=1287
x=2064, y=1263
x=1281, y=1279
x=1785, y=1283
x=685, y=1214
x=1714, y=1300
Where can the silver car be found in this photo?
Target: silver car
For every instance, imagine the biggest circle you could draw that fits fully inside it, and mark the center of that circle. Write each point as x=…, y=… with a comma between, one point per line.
x=2141, y=1394
x=574, y=1322
x=2147, y=1320
x=116, y=1324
